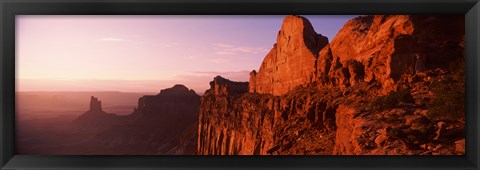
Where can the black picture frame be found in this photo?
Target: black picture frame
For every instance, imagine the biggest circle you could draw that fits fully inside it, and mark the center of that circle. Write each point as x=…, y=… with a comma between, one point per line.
x=10, y=8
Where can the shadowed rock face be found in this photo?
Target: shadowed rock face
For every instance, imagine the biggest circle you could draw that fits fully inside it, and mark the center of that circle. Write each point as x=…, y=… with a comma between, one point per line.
x=359, y=95
x=95, y=117
x=291, y=62
x=177, y=101
x=95, y=105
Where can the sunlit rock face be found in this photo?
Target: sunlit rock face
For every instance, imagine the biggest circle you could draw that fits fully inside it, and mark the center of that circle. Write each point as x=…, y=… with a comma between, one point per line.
x=291, y=62
x=378, y=88
x=246, y=124
x=383, y=48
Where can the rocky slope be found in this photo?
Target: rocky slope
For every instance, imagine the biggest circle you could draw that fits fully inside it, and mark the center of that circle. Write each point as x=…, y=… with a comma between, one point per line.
x=163, y=124
x=384, y=85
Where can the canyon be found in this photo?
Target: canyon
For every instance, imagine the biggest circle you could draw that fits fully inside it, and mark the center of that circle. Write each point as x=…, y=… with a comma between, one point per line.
x=389, y=85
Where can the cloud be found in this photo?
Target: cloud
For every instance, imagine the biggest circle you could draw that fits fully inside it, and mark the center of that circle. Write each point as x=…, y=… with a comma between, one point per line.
x=166, y=44
x=223, y=45
x=217, y=60
x=113, y=39
x=138, y=42
x=228, y=49
x=221, y=72
x=224, y=53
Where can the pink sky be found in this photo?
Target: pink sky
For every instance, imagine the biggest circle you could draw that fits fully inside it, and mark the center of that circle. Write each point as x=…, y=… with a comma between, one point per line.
x=144, y=53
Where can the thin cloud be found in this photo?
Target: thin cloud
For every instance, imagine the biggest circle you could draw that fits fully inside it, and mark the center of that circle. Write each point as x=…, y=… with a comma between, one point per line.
x=224, y=53
x=216, y=61
x=244, y=72
x=224, y=45
x=166, y=44
x=112, y=39
x=228, y=49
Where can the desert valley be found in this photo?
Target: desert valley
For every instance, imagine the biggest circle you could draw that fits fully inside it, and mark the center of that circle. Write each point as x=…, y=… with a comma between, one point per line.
x=384, y=85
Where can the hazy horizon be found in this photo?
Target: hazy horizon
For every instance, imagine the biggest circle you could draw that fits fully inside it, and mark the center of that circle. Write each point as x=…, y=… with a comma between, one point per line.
x=106, y=91
x=144, y=54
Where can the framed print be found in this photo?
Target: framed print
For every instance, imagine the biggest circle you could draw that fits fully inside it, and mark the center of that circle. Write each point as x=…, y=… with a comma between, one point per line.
x=239, y=84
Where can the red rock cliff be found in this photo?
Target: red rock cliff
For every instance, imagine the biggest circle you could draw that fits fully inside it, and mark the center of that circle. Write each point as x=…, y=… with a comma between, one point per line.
x=291, y=62
x=383, y=48
x=249, y=124
x=384, y=85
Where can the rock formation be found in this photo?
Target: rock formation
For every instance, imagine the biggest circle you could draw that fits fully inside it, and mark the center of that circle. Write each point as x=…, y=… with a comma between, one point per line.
x=357, y=95
x=221, y=86
x=368, y=48
x=95, y=105
x=291, y=62
x=162, y=124
x=263, y=124
x=96, y=118
x=176, y=101
x=383, y=48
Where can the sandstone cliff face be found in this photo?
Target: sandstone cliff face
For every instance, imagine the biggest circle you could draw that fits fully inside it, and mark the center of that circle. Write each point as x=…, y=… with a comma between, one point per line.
x=368, y=48
x=365, y=96
x=265, y=124
x=383, y=48
x=291, y=62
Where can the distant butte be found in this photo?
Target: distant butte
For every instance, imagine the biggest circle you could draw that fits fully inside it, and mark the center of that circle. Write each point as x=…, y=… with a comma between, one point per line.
x=166, y=123
x=95, y=105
